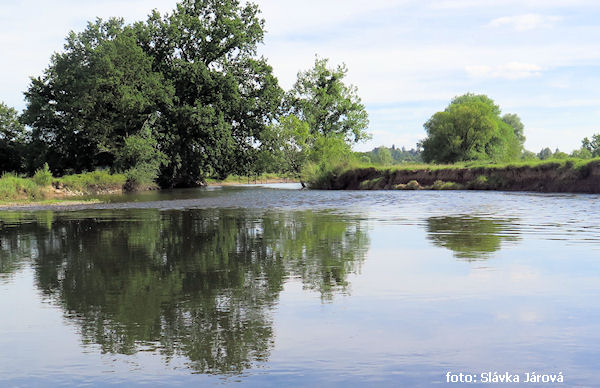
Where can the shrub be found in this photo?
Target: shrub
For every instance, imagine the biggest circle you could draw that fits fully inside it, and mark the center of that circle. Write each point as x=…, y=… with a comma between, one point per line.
x=139, y=177
x=43, y=176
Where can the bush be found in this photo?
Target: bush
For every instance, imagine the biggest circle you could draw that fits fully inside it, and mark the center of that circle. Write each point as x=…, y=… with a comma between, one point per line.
x=43, y=176
x=140, y=177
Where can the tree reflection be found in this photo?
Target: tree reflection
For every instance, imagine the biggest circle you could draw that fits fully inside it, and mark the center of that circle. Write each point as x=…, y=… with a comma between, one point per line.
x=470, y=238
x=16, y=242
x=200, y=283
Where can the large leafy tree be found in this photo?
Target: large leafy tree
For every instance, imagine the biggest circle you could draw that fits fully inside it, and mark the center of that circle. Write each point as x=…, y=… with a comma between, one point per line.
x=94, y=94
x=190, y=81
x=329, y=106
x=12, y=140
x=470, y=128
x=225, y=95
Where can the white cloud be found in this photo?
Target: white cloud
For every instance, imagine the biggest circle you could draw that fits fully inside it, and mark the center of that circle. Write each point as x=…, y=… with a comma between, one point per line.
x=512, y=70
x=537, y=4
x=525, y=22
x=286, y=17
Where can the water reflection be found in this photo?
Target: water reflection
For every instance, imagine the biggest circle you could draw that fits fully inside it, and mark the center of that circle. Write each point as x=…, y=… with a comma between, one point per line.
x=200, y=284
x=471, y=238
x=15, y=242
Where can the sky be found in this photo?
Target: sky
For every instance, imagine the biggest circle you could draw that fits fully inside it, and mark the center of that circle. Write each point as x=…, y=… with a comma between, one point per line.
x=539, y=59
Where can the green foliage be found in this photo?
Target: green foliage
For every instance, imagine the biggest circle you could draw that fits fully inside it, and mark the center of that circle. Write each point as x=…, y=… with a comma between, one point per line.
x=379, y=156
x=515, y=122
x=558, y=154
x=582, y=153
x=13, y=187
x=225, y=96
x=12, y=140
x=528, y=155
x=43, y=176
x=288, y=145
x=382, y=156
x=192, y=78
x=470, y=129
x=330, y=107
x=140, y=159
x=96, y=92
x=545, y=153
x=592, y=145
x=292, y=147
x=37, y=188
x=91, y=182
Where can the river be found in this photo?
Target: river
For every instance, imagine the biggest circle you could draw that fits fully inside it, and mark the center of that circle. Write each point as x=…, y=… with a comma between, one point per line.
x=275, y=286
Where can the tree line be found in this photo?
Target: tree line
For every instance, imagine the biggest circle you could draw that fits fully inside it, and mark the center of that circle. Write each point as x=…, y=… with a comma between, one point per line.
x=177, y=98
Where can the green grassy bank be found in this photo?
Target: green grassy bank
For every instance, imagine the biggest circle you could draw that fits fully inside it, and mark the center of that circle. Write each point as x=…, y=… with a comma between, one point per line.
x=560, y=175
x=44, y=187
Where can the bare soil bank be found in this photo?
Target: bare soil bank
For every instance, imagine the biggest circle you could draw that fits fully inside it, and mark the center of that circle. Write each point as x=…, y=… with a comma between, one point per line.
x=551, y=177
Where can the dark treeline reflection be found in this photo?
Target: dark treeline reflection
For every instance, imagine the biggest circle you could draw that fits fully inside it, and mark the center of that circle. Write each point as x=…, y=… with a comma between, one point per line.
x=471, y=238
x=16, y=242
x=199, y=284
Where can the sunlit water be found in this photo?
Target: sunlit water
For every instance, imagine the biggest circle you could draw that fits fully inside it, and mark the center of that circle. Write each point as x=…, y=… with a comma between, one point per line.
x=274, y=286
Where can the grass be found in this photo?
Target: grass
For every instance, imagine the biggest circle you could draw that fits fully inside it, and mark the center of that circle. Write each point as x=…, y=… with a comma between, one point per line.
x=13, y=187
x=92, y=182
x=47, y=202
x=15, y=190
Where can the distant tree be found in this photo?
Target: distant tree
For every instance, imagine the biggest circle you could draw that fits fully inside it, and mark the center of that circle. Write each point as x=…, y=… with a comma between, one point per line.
x=13, y=139
x=528, y=155
x=470, y=128
x=515, y=122
x=582, y=153
x=329, y=106
x=558, y=154
x=383, y=156
x=545, y=153
x=592, y=145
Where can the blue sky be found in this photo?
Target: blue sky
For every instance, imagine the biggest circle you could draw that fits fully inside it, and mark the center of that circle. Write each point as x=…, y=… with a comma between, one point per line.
x=408, y=58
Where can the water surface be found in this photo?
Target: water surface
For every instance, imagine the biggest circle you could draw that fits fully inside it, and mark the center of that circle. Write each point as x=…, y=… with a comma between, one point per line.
x=274, y=286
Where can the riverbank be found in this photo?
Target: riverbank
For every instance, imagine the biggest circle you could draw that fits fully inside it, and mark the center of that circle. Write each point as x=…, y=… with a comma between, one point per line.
x=42, y=187
x=18, y=192
x=560, y=176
